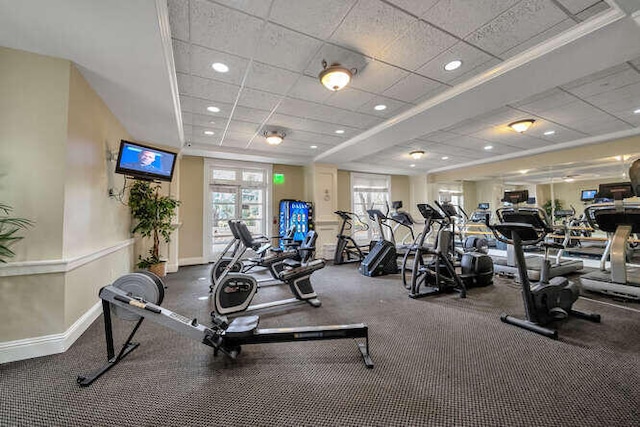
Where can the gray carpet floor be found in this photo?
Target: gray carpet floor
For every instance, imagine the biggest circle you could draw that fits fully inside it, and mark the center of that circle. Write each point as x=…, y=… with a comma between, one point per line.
x=441, y=361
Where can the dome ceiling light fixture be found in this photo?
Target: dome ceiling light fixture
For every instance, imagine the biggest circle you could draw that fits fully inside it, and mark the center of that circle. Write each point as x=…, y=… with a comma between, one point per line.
x=335, y=77
x=274, y=137
x=416, y=154
x=521, y=125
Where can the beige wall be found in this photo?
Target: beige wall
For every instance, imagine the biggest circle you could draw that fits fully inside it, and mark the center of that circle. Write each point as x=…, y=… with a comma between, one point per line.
x=33, y=134
x=54, y=136
x=293, y=188
x=191, y=179
x=344, y=190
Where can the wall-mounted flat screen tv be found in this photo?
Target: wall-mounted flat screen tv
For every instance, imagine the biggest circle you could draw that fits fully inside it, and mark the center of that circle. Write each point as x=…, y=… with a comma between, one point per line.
x=588, y=195
x=143, y=162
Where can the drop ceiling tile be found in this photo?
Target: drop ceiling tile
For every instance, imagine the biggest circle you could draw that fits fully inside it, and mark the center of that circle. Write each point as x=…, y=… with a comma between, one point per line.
x=462, y=17
x=333, y=54
x=179, y=18
x=413, y=87
x=199, y=132
x=467, y=127
x=246, y=128
x=202, y=58
x=636, y=63
x=593, y=11
x=258, y=99
x=252, y=115
x=619, y=101
x=500, y=135
x=199, y=106
x=479, y=70
x=205, y=121
x=259, y=8
x=539, y=38
x=548, y=100
x=415, y=7
x=571, y=115
x=393, y=107
x=301, y=123
x=439, y=136
x=285, y=48
x=468, y=142
x=310, y=89
x=624, y=77
x=224, y=29
x=601, y=125
x=419, y=44
x=377, y=77
x=213, y=90
x=577, y=6
x=518, y=24
x=313, y=17
x=349, y=98
x=181, y=56
x=431, y=94
x=317, y=138
x=371, y=25
x=238, y=142
x=470, y=56
x=270, y=79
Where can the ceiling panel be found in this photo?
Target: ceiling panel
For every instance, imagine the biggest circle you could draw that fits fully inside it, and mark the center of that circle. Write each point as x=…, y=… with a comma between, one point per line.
x=539, y=38
x=414, y=87
x=310, y=89
x=471, y=57
x=259, y=8
x=462, y=17
x=419, y=44
x=593, y=11
x=222, y=28
x=316, y=18
x=377, y=77
x=517, y=25
x=615, y=78
x=181, y=56
x=371, y=25
x=349, y=98
x=393, y=107
x=208, y=89
x=286, y=48
x=201, y=59
x=577, y=6
x=415, y=7
x=258, y=99
x=179, y=18
x=270, y=79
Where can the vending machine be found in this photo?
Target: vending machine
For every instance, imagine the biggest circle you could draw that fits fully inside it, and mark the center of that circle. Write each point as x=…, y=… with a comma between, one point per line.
x=298, y=213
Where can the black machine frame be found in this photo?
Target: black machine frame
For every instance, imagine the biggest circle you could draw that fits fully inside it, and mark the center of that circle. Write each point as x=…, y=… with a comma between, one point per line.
x=223, y=337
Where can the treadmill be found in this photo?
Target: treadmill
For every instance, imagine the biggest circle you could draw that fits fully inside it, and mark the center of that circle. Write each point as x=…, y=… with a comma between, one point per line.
x=622, y=219
x=538, y=218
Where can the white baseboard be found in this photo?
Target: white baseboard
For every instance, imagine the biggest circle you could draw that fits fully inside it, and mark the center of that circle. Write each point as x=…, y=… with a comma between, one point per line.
x=28, y=348
x=192, y=261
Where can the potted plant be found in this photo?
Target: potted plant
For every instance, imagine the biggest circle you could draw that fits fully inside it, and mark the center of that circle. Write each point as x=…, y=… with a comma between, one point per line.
x=8, y=228
x=153, y=214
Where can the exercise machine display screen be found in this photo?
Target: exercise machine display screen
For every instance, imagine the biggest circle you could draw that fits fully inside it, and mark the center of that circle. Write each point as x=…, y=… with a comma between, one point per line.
x=516, y=196
x=588, y=195
x=483, y=206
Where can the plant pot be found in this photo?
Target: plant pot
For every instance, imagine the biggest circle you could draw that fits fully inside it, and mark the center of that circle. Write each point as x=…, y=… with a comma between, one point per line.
x=159, y=269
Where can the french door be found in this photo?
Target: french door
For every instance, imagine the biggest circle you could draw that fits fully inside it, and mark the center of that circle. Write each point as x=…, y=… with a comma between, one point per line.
x=234, y=202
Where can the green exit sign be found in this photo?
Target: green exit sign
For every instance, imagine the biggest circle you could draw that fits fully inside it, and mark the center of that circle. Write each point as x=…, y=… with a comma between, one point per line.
x=278, y=178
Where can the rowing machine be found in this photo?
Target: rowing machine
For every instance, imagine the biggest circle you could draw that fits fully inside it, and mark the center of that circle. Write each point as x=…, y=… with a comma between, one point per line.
x=137, y=296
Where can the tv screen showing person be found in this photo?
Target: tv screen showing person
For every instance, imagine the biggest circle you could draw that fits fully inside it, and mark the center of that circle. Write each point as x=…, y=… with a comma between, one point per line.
x=139, y=160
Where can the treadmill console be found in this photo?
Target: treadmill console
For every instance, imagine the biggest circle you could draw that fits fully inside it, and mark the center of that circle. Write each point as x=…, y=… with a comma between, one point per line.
x=515, y=196
x=428, y=212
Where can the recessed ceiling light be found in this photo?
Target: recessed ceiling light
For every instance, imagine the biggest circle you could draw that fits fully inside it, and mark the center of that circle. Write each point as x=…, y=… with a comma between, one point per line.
x=453, y=65
x=208, y=132
x=636, y=111
x=550, y=132
x=213, y=109
x=488, y=147
x=220, y=67
x=569, y=180
x=524, y=171
x=412, y=165
x=340, y=131
x=380, y=107
x=314, y=146
x=445, y=157
x=212, y=122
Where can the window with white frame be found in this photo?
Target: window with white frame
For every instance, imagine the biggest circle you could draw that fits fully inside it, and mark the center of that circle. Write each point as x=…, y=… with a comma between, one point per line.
x=368, y=191
x=235, y=190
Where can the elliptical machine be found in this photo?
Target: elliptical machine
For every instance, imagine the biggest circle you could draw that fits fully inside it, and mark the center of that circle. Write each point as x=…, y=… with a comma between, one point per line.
x=543, y=302
x=347, y=249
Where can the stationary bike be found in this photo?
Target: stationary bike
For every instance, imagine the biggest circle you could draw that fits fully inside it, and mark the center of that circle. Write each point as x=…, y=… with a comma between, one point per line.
x=234, y=291
x=543, y=302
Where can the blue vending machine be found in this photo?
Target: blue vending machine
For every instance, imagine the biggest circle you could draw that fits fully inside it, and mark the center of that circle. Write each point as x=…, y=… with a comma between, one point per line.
x=298, y=213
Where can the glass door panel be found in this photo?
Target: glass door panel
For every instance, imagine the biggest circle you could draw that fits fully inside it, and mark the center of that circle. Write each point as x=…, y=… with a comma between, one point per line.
x=224, y=206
